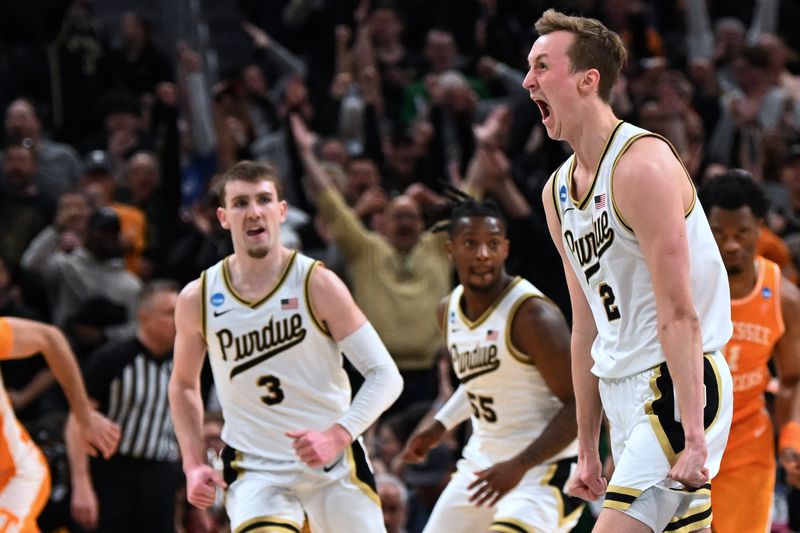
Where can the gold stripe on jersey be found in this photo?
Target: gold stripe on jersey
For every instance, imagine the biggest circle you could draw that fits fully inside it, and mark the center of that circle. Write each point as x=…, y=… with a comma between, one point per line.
x=203, y=295
x=704, y=490
x=624, y=149
x=489, y=310
x=517, y=354
x=307, y=292
x=553, y=183
x=697, y=518
x=510, y=525
x=226, y=276
x=267, y=523
x=661, y=409
x=556, y=477
x=718, y=395
x=365, y=488
x=584, y=200
x=620, y=498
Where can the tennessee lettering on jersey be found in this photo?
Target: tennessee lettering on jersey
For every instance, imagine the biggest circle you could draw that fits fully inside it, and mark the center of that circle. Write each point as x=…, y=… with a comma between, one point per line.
x=749, y=332
x=757, y=327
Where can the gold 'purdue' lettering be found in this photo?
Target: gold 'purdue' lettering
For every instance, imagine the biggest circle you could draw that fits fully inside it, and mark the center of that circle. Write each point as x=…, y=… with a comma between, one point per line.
x=472, y=363
x=274, y=333
x=588, y=248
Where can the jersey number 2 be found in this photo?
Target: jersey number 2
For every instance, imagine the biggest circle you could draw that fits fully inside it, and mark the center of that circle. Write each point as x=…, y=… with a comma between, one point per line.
x=607, y=294
x=274, y=391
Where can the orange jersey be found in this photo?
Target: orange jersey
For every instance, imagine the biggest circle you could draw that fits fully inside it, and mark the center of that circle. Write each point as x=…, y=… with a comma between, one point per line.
x=24, y=476
x=757, y=327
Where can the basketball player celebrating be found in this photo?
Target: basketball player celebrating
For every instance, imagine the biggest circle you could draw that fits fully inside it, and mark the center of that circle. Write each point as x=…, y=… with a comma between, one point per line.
x=509, y=347
x=765, y=308
x=275, y=323
x=646, y=334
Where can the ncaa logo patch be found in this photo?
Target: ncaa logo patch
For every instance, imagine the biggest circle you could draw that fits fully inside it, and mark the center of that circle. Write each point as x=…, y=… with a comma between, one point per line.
x=562, y=194
x=217, y=299
x=452, y=317
x=766, y=292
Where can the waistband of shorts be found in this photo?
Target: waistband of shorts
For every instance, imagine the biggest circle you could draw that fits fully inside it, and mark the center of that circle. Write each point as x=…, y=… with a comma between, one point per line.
x=650, y=369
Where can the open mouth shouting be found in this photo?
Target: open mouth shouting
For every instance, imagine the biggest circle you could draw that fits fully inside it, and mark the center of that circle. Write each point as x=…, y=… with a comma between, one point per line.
x=544, y=109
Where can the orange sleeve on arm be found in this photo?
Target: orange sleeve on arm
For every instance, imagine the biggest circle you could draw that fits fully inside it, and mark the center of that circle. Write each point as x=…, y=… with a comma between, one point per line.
x=790, y=436
x=6, y=339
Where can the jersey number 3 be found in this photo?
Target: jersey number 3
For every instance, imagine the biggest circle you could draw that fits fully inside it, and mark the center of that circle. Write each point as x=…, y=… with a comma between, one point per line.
x=607, y=294
x=274, y=391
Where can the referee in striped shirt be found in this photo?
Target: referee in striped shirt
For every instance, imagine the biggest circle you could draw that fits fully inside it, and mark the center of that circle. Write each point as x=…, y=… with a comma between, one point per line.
x=135, y=490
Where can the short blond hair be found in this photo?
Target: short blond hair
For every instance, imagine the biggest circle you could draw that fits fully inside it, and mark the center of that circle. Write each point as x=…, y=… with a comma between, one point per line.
x=249, y=171
x=595, y=46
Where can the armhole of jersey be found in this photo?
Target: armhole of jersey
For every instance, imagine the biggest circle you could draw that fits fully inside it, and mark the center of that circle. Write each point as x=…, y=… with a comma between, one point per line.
x=624, y=149
x=513, y=350
x=307, y=289
x=203, y=304
x=553, y=180
x=445, y=317
x=777, y=275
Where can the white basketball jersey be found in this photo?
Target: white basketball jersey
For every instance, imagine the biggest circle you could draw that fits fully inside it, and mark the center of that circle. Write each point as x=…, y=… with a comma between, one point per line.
x=275, y=368
x=608, y=262
x=511, y=403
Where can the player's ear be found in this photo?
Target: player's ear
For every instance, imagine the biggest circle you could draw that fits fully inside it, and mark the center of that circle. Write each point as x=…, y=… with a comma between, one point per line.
x=222, y=217
x=589, y=81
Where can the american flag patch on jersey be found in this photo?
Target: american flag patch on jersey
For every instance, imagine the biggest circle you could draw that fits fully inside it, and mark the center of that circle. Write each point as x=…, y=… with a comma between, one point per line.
x=491, y=335
x=288, y=304
x=600, y=201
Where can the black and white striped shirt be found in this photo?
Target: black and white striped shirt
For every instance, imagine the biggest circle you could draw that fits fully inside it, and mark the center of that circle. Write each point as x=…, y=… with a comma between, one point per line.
x=130, y=385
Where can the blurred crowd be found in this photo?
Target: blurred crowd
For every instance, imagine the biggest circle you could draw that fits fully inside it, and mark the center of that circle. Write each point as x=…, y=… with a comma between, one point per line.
x=112, y=138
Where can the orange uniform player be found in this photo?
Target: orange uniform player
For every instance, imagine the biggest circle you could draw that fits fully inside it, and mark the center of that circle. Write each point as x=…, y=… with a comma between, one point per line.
x=765, y=309
x=24, y=475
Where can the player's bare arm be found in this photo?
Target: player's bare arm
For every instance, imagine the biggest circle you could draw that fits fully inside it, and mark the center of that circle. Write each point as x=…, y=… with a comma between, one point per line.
x=540, y=331
x=588, y=483
x=646, y=172
x=99, y=435
x=787, y=361
x=186, y=404
x=333, y=305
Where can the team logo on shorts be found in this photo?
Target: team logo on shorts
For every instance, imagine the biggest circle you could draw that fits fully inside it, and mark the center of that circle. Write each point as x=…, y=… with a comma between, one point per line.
x=217, y=299
x=562, y=194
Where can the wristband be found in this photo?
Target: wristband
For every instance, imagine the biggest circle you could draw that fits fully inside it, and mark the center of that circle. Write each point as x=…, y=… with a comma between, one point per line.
x=790, y=436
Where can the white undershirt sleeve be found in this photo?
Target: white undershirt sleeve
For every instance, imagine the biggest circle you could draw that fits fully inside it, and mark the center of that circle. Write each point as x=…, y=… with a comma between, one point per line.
x=382, y=381
x=455, y=411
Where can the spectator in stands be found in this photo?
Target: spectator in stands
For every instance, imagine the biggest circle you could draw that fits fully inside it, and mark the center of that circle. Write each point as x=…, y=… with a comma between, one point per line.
x=100, y=183
x=397, y=280
x=71, y=277
x=57, y=165
x=394, y=502
x=204, y=244
x=138, y=65
x=26, y=209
